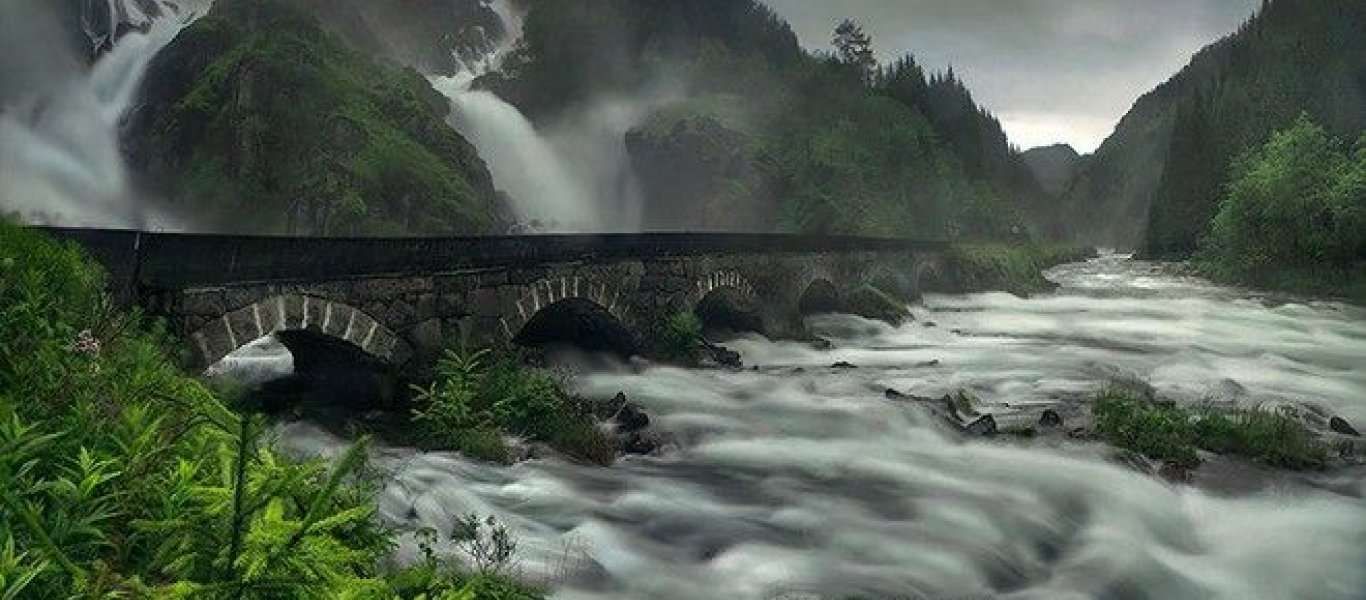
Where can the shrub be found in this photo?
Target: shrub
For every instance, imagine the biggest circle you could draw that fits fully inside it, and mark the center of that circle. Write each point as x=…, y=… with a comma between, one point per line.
x=680, y=338
x=1293, y=213
x=477, y=395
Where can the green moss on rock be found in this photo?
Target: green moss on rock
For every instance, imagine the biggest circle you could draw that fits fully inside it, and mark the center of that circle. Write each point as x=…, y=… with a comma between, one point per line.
x=256, y=119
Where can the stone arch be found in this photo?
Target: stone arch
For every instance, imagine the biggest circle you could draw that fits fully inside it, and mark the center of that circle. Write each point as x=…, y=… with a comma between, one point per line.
x=552, y=290
x=221, y=336
x=727, y=278
x=726, y=300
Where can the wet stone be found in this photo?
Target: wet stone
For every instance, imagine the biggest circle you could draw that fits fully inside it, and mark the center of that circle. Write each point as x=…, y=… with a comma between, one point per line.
x=630, y=418
x=983, y=426
x=1050, y=418
x=1174, y=472
x=1340, y=425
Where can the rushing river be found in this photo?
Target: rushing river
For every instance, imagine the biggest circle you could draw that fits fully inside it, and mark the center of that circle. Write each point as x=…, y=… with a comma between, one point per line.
x=797, y=480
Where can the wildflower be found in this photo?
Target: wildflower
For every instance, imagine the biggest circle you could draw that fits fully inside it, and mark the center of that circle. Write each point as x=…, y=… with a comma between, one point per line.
x=86, y=343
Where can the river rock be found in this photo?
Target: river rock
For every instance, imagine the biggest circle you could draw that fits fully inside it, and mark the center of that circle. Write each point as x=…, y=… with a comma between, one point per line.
x=983, y=426
x=723, y=356
x=894, y=395
x=1341, y=425
x=631, y=419
x=1050, y=418
x=843, y=365
x=640, y=443
x=1174, y=472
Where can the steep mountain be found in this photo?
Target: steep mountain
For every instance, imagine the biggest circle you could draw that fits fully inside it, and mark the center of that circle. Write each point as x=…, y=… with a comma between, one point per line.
x=432, y=36
x=1154, y=183
x=1294, y=58
x=256, y=119
x=751, y=132
x=1053, y=166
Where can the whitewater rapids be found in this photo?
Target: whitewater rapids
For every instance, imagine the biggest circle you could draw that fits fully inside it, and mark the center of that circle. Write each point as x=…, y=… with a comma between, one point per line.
x=808, y=483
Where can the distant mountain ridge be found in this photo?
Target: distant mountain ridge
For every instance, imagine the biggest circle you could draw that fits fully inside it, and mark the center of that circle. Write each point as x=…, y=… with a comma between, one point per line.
x=1053, y=166
x=1154, y=183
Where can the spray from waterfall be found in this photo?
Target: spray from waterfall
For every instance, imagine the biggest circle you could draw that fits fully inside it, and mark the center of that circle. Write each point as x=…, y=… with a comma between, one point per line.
x=572, y=176
x=59, y=118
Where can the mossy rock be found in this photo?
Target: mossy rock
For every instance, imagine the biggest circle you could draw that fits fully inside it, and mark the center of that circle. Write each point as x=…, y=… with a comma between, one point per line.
x=256, y=119
x=872, y=303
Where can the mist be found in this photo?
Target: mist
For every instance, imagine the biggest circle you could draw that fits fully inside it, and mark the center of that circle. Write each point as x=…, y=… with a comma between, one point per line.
x=60, y=162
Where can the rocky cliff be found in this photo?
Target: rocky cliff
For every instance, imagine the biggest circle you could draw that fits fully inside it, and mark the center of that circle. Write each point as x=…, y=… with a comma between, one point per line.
x=257, y=119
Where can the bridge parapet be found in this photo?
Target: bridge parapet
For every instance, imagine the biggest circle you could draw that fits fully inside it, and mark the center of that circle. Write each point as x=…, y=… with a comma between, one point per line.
x=399, y=299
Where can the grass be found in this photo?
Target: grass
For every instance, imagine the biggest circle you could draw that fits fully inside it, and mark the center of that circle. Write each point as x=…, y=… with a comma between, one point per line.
x=1171, y=433
x=1014, y=268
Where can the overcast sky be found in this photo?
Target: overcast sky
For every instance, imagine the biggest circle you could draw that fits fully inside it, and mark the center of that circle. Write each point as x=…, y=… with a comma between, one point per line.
x=1051, y=70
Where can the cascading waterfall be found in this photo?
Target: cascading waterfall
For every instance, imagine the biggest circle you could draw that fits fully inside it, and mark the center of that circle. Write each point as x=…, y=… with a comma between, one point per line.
x=577, y=178
x=59, y=119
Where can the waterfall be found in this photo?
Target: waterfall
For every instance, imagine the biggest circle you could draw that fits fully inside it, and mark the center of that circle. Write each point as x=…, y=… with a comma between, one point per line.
x=575, y=176
x=59, y=119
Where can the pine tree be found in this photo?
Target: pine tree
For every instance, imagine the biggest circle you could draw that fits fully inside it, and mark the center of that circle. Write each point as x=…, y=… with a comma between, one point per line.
x=855, y=48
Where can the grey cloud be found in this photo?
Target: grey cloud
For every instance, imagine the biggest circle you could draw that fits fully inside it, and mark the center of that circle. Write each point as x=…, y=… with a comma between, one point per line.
x=1076, y=64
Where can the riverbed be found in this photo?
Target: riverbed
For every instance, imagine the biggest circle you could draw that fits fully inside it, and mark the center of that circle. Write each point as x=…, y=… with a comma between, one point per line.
x=793, y=479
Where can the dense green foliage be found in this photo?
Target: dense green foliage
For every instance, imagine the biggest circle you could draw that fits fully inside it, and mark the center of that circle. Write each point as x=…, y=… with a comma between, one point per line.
x=478, y=395
x=1294, y=215
x=1293, y=57
x=1169, y=158
x=769, y=137
x=122, y=477
x=1167, y=432
x=256, y=119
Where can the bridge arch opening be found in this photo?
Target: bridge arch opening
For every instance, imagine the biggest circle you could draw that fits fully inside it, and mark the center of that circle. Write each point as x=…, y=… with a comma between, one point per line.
x=580, y=323
x=728, y=310
x=306, y=369
x=820, y=297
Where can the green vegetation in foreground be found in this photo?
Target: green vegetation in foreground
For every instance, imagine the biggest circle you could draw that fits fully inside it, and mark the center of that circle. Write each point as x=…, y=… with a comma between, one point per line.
x=1015, y=268
x=477, y=396
x=122, y=477
x=1171, y=433
x=256, y=119
x=1294, y=216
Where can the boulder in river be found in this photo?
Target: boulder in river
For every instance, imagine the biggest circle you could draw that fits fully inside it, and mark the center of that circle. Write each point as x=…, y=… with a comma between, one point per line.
x=844, y=365
x=1050, y=418
x=631, y=419
x=983, y=426
x=1341, y=425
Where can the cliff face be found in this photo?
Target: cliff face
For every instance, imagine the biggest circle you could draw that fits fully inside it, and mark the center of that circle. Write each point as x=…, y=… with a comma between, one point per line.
x=432, y=36
x=93, y=26
x=256, y=119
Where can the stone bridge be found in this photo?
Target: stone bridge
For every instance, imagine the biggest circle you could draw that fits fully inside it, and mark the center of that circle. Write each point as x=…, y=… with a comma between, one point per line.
x=405, y=298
